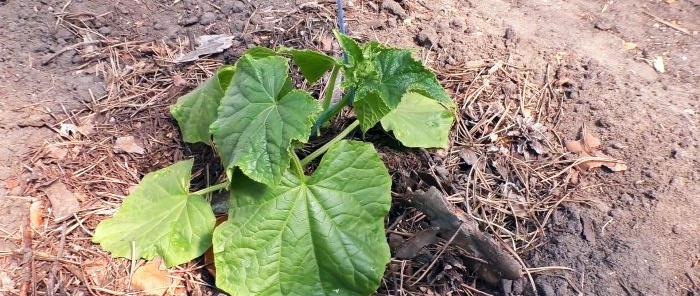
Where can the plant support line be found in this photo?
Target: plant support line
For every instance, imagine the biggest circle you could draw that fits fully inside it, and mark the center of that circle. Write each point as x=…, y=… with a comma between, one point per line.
x=347, y=100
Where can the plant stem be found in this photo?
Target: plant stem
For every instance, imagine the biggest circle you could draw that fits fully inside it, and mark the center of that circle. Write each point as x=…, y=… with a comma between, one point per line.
x=212, y=188
x=330, y=86
x=297, y=165
x=330, y=112
x=330, y=143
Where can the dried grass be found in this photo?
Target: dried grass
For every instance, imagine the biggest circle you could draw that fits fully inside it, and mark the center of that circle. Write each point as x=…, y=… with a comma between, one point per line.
x=506, y=168
x=490, y=171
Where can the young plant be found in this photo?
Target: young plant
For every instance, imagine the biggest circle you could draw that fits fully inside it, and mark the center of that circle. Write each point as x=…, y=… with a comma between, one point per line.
x=287, y=233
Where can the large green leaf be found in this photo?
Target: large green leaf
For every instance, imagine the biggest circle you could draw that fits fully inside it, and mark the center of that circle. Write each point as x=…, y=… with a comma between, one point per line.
x=420, y=122
x=319, y=235
x=259, y=117
x=160, y=218
x=196, y=110
x=312, y=64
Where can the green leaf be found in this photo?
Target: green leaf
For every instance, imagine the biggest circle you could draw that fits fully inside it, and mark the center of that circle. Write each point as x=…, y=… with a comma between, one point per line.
x=398, y=73
x=419, y=121
x=160, y=218
x=259, y=52
x=352, y=49
x=370, y=110
x=196, y=110
x=258, y=121
x=312, y=64
x=386, y=74
x=321, y=235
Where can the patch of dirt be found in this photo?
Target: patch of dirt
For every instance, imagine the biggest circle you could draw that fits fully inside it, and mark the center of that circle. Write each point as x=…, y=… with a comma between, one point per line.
x=583, y=62
x=637, y=234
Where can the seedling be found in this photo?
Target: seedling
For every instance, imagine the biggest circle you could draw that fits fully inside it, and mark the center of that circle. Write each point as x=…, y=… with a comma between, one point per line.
x=287, y=233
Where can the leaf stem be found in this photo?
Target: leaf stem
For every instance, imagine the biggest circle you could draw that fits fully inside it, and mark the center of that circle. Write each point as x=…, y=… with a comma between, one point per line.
x=297, y=165
x=330, y=143
x=332, y=111
x=330, y=86
x=212, y=188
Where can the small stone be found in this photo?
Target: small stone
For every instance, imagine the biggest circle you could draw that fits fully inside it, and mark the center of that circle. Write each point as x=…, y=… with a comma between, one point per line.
x=394, y=8
x=626, y=199
x=677, y=182
x=256, y=20
x=603, y=122
x=427, y=37
x=597, y=105
x=617, y=145
x=457, y=23
x=651, y=194
x=159, y=26
x=676, y=229
x=238, y=7
x=188, y=21
x=77, y=59
x=649, y=174
x=510, y=34
x=572, y=95
x=248, y=39
x=63, y=33
x=40, y=47
x=445, y=41
x=238, y=26
x=603, y=25
x=106, y=30
x=615, y=213
x=376, y=24
x=679, y=153
x=443, y=28
x=545, y=289
x=207, y=18
x=392, y=23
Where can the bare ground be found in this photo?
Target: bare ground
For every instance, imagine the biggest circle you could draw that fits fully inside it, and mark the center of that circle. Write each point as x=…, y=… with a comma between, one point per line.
x=623, y=233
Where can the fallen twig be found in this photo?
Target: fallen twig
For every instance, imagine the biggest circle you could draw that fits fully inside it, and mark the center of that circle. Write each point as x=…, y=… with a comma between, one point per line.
x=667, y=23
x=48, y=59
x=27, y=260
x=468, y=236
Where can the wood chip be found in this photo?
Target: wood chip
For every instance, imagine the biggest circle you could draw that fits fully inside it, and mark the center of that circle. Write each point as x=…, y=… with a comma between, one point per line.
x=128, y=144
x=152, y=278
x=36, y=215
x=412, y=246
x=63, y=202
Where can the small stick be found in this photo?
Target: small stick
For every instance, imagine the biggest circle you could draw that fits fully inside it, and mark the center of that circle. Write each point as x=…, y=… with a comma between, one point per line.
x=27, y=260
x=667, y=23
x=67, y=48
x=468, y=236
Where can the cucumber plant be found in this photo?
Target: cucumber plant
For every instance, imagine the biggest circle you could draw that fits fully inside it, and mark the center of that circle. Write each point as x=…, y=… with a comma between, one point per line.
x=288, y=233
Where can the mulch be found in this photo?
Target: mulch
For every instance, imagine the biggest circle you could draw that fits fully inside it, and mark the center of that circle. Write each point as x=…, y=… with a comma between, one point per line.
x=506, y=167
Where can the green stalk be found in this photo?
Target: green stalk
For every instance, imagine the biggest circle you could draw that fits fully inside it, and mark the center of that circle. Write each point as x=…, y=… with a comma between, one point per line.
x=297, y=166
x=330, y=143
x=330, y=86
x=331, y=112
x=212, y=188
